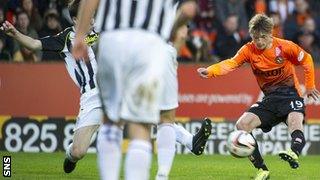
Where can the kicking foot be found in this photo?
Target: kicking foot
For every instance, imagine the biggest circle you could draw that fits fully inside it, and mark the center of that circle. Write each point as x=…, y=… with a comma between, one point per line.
x=262, y=175
x=68, y=166
x=291, y=157
x=200, y=139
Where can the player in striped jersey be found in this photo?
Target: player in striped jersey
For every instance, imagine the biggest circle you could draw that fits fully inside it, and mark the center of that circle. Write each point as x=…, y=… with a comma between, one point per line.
x=168, y=132
x=84, y=76
x=133, y=56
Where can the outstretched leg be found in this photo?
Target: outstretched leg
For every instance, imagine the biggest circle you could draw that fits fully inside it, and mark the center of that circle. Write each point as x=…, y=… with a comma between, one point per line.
x=169, y=133
x=78, y=148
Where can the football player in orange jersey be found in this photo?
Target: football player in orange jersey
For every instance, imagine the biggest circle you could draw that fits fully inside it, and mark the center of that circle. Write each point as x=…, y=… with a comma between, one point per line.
x=272, y=61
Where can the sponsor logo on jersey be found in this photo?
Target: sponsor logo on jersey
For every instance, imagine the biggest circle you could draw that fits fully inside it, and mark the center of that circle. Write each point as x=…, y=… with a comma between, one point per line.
x=274, y=72
x=279, y=59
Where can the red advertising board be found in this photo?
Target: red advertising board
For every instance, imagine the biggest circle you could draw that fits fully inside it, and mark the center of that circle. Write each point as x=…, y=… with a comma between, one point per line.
x=227, y=96
x=46, y=89
x=37, y=89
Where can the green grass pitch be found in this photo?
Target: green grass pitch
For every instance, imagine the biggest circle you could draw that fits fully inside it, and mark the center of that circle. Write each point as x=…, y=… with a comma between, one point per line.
x=49, y=166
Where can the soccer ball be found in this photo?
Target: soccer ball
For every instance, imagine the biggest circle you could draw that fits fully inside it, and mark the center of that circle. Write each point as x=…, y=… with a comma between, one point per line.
x=240, y=144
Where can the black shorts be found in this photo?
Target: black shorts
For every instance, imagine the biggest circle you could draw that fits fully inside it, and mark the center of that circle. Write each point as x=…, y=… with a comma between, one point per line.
x=275, y=107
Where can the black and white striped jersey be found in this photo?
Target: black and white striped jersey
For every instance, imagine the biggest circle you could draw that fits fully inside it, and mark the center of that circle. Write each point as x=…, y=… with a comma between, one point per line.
x=155, y=16
x=82, y=73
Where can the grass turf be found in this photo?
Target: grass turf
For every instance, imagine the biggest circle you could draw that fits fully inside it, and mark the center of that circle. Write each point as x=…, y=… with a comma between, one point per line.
x=49, y=166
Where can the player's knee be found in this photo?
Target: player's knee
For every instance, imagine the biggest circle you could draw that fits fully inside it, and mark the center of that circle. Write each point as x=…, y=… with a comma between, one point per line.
x=78, y=152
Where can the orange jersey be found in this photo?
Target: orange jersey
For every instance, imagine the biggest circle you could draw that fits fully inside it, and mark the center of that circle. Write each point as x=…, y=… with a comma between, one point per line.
x=273, y=67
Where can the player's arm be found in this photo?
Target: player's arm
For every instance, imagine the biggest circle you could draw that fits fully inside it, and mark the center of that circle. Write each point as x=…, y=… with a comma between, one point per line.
x=308, y=67
x=26, y=41
x=179, y=31
x=184, y=14
x=86, y=11
x=300, y=57
x=225, y=66
x=180, y=37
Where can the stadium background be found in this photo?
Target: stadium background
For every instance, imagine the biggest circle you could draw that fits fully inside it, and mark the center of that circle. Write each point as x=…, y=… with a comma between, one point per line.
x=39, y=102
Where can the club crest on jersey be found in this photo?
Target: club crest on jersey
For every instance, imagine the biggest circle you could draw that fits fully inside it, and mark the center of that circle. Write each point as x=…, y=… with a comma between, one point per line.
x=91, y=39
x=279, y=59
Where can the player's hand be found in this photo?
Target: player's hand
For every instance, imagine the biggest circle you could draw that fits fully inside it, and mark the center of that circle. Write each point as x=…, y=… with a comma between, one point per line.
x=203, y=72
x=9, y=29
x=314, y=94
x=80, y=49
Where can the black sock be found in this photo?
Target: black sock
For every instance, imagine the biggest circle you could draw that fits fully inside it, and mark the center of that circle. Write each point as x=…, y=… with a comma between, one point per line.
x=297, y=141
x=256, y=158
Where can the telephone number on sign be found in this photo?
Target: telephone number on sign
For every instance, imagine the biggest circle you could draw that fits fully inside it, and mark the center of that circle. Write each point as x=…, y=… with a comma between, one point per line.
x=33, y=136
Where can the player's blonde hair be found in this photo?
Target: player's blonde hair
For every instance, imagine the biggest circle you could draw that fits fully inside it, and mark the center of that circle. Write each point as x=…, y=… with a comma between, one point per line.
x=260, y=23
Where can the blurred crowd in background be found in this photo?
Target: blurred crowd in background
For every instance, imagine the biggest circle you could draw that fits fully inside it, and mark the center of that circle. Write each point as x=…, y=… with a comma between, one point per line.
x=218, y=31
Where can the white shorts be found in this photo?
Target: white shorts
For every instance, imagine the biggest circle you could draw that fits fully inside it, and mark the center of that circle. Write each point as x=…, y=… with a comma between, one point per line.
x=131, y=66
x=90, y=112
x=170, y=88
x=89, y=117
x=90, y=99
